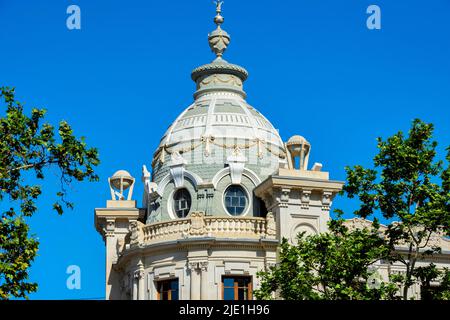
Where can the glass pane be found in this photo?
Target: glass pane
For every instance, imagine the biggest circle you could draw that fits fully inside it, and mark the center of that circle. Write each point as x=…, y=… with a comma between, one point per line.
x=228, y=294
x=228, y=282
x=241, y=294
x=182, y=203
x=175, y=294
x=235, y=200
x=174, y=285
x=241, y=282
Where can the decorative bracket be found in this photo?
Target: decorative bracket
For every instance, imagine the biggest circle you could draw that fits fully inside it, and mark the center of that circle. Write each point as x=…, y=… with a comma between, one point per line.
x=236, y=162
x=177, y=169
x=198, y=225
x=326, y=200
x=285, y=192
x=305, y=198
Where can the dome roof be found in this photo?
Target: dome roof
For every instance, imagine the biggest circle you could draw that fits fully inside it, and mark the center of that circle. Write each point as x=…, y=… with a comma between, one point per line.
x=121, y=173
x=296, y=140
x=221, y=115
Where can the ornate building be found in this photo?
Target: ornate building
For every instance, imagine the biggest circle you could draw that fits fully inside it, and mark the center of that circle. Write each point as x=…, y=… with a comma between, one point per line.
x=223, y=191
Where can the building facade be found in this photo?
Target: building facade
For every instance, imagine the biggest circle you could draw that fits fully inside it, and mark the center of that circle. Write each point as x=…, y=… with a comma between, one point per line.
x=224, y=189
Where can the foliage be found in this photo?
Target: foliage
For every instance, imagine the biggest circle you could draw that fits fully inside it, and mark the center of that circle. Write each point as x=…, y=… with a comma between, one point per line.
x=332, y=266
x=27, y=148
x=410, y=186
x=435, y=283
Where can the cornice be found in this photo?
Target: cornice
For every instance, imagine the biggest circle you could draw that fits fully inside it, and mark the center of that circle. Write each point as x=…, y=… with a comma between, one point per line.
x=197, y=243
x=219, y=68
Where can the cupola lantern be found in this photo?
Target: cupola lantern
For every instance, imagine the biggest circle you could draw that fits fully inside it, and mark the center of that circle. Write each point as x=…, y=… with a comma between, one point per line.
x=120, y=182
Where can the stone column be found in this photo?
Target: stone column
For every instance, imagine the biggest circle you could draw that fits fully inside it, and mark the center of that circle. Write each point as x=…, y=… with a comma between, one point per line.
x=195, y=281
x=114, y=234
x=135, y=287
x=139, y=279
x=111, y=255
x=204, y=280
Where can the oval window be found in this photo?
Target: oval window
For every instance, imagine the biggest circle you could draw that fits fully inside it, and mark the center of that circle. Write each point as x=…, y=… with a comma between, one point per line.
x=235, y=200
x=182, y=203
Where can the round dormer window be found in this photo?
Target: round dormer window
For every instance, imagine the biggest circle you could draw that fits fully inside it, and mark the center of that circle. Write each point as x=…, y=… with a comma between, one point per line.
x=182, y=203
x=235, y=200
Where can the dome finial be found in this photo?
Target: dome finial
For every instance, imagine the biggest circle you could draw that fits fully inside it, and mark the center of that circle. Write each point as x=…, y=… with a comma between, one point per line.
x=218, y=19
x=218, y=39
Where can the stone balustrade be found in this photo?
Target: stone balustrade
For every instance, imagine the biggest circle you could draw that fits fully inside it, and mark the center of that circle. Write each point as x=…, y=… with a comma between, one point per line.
x=168, y=230
x=199, y=225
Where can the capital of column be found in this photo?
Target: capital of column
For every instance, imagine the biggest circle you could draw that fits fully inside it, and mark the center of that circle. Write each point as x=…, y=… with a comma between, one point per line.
x=192, y=266
x=285, y=192
x=203, y=265
x=109, y=228
x=139, y=274
x=326, y=200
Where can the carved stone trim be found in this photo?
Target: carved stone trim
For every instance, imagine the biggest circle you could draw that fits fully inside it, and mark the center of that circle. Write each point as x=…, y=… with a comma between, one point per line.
x=198, y=225
x=236, y=162
x=177, y=169
x=203, y=265
x=109, y=228
x=326, y=200
x=137, y=235
x=192, y=266
x=271, y=228
x=285, y=192
x=305, y=198
x=139, y=274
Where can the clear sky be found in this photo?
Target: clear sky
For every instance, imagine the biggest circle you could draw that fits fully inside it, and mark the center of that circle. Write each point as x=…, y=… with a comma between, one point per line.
x=315, y=70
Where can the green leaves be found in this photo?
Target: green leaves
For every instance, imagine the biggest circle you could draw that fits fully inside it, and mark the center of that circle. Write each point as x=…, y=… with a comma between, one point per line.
x=427, y=275
x=407, y=185
x=29, y=146
x=17, y=252
x=331, y=266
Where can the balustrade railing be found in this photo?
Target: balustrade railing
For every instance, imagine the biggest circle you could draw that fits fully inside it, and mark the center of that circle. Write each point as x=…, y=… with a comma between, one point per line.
x=198, y=225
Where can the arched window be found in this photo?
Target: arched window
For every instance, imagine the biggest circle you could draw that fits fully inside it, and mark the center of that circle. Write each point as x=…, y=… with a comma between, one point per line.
x=182, y=203
x=235, y=200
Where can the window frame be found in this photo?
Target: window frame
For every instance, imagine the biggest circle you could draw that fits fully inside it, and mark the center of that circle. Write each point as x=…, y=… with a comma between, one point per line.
x=247, y=200
x=236, y=287
x=176, y=192
x=159, y=292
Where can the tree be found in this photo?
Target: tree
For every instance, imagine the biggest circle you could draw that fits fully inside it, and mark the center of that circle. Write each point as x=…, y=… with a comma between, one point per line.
x=426, y=276
x=27, y=148
x=410, y=186
x=335, y=265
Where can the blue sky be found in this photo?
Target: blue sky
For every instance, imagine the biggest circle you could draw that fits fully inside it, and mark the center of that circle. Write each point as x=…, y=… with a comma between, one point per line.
x=315, y=70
